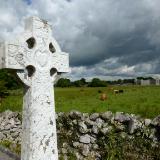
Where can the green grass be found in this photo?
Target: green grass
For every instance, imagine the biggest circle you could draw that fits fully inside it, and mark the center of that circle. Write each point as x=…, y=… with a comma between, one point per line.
x=143, y=100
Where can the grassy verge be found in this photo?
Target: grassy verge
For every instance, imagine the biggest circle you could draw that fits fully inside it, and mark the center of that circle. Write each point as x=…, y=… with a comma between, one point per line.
x=143, y=100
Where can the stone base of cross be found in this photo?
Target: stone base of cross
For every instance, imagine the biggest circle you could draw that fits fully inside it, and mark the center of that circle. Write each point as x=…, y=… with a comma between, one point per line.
x=37, y=59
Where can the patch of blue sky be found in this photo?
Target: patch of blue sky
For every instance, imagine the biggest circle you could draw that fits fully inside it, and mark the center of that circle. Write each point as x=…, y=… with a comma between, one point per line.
x=28, y=1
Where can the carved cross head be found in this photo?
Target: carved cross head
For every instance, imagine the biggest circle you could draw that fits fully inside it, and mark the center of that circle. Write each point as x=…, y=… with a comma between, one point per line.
x=34, y=51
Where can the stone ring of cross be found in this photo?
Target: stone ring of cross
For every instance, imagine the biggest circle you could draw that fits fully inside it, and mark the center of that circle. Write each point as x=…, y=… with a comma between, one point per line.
x=34, y=53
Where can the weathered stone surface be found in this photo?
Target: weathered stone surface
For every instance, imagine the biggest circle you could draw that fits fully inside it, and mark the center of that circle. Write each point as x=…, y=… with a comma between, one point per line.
x=92, y=139
x=134, y=124
x=119, y=126
x=156, y=121
x=94, y=116
x=121, y=117
x=99, y=122
x=95, y=146
x=82, y=127
x=89, y=123
x=75, y=114
x=85, y=150
x=85, y=116
x=64, y=151
x=7, y=127
x=85, y=139
x=147, y=122
x=107, y=115
x=76, y=144
x=152, y=134
x=75, y=122
x=105, y=130
x=95, y=129
x=79, y=156
x=94, y=133
x=2, y=136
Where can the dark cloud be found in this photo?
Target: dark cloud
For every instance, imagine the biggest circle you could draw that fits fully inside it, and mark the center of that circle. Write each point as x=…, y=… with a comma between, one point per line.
x=104, y=38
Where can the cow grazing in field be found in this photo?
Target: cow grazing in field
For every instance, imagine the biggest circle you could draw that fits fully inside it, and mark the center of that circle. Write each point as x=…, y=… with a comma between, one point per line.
x=103, y=97
x=118, y=91
x=121, y=91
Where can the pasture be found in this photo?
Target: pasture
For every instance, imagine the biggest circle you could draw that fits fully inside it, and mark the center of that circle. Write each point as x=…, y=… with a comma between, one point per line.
x=142, y=100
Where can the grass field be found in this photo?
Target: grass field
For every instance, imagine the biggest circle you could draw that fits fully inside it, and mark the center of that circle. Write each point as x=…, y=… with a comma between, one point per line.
x=143, y=100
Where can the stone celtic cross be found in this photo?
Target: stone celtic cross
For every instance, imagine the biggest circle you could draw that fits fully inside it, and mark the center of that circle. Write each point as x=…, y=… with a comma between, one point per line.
x=37, y=59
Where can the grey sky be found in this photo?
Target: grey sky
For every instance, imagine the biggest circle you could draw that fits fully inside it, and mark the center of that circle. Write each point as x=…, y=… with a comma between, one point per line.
x=106, y=38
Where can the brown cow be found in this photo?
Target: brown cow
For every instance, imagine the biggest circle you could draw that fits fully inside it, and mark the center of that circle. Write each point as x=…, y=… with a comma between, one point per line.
x=103, y=97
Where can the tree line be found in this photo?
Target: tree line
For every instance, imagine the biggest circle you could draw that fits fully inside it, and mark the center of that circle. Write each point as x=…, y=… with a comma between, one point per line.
x=95, y=82
x=8, y=81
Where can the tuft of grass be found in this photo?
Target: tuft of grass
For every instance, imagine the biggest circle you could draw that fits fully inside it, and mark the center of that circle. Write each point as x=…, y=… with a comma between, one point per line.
x=16, y=148
x=115, y=147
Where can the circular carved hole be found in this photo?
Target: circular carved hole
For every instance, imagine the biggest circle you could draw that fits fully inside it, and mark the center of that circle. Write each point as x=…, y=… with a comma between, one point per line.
x=31, y=42
x=51, y=48
x=30, y=70
x=52, y=71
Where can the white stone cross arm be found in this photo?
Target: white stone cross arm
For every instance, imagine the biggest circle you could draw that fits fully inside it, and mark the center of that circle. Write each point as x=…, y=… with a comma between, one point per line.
x=37, y=58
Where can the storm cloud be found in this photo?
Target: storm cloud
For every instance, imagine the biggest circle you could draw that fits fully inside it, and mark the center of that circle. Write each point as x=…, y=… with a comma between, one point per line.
x=106, y=38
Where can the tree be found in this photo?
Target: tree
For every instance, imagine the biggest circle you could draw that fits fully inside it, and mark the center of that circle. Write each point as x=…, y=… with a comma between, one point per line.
x=77, y=83
x=145, y=78
x=9, y=79
x=3, y=89
x=119, y=81
x=80, y=83
x=129, y=81
x=63, y=82
x=96, y=82
x=83, y=81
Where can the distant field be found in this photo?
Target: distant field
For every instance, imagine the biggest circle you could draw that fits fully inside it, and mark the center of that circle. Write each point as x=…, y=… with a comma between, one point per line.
x=143, y=100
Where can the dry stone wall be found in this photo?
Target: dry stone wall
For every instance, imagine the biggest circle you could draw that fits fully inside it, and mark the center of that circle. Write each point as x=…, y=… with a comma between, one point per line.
x=89, y=136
